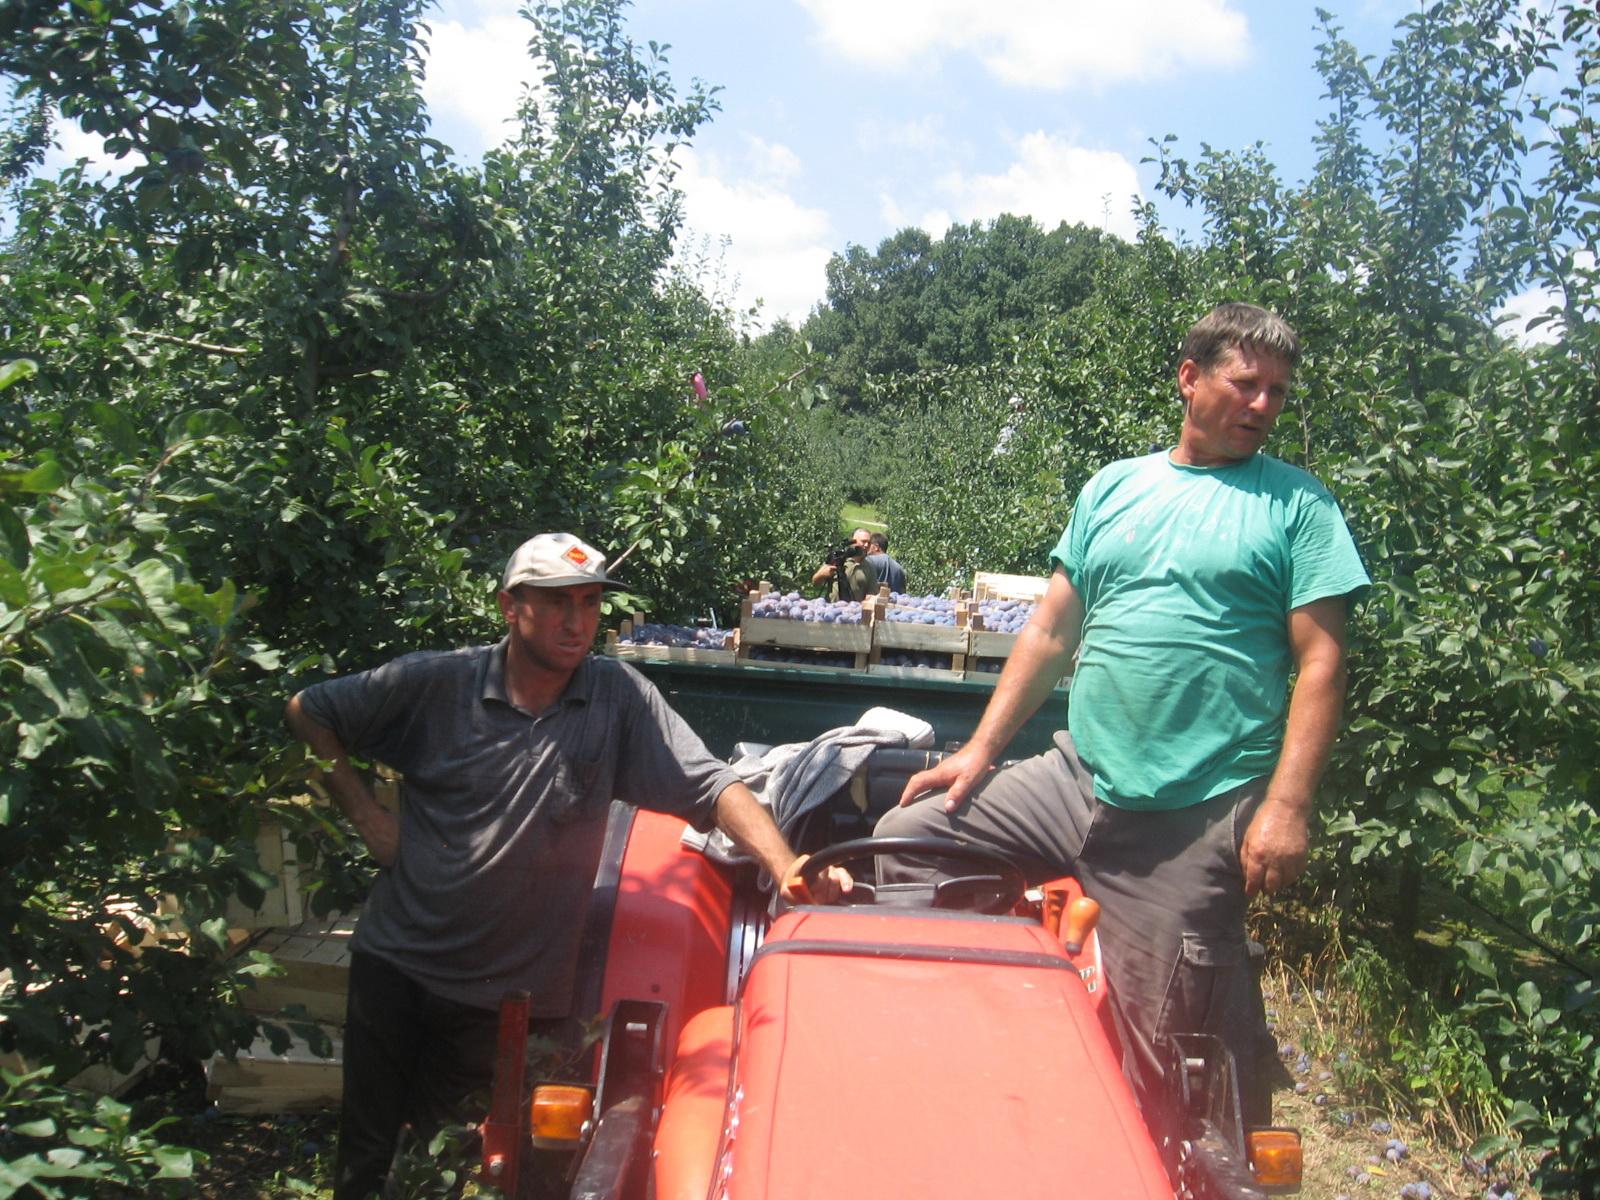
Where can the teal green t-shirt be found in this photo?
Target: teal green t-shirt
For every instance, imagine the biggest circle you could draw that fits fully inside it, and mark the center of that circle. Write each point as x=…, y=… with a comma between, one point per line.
x=1187, y=576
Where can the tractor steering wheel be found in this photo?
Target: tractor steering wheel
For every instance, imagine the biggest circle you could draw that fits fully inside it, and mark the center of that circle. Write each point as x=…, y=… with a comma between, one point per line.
x=995, y=890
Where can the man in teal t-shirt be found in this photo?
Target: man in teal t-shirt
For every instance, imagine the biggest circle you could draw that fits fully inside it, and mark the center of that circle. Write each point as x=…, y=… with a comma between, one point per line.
x=1191, y=585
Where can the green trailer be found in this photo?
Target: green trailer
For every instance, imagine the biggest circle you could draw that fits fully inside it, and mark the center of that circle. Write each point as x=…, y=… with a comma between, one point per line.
x=726, y=703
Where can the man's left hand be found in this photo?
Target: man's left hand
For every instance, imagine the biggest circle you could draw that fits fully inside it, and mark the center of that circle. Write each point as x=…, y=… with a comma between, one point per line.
x=1275, y=847
x=833, y=883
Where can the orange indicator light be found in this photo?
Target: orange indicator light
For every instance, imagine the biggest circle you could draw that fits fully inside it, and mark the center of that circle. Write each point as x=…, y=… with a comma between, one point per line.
x=558, y=1114
x=1275, y=1158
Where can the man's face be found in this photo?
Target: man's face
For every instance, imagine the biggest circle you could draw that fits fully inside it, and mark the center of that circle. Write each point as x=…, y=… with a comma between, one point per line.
x=552, y=626
x=1231, y=408
x=862, y=540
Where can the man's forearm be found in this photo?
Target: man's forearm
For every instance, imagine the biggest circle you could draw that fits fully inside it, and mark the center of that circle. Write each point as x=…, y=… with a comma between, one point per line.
x=377, y=827
x=751, y=828
x=1041, y=655
x=1038, y=660
x=1315, y=708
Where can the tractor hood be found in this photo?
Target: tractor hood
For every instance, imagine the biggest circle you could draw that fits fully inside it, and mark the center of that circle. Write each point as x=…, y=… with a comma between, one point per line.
x=923, y=1055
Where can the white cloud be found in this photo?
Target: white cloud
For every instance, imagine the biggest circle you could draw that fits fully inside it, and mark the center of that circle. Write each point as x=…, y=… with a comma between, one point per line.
x=474, y=78
x=1050, y=180
x=922, y=135
x=1513, y=316
x=72, y=143
x=776, y=247
x=1038, y=43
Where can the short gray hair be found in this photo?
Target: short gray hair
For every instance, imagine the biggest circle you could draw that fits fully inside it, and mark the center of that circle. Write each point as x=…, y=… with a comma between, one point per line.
x=1237, y=326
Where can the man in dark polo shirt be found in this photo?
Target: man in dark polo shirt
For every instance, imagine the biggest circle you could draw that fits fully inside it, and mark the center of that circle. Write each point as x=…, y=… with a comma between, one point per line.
x=511, y=755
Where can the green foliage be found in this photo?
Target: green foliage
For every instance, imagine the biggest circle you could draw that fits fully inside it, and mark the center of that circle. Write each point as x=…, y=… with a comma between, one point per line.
x=294, y=385
x=987, y=461
x=57, y=1142
x=919, y=303
x=136, y=720
x=1454, y=170
x=298, y=380
x=446, y=1167
x=1465, y=465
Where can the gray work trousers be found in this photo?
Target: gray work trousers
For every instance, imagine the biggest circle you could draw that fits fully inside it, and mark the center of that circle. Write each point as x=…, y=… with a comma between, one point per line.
x=1171, y=895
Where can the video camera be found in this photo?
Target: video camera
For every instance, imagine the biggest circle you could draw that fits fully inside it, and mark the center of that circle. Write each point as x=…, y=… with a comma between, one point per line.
x=837, y=554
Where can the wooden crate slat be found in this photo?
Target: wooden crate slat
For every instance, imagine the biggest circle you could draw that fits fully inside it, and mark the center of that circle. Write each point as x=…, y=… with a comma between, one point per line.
x=991, y=585
x=986, y=643
x=904, y=635
x=257, y=1064
x=315, y=957
x=687, y=654
x=261, y=1101
x=259, y=1081
x=804, y=635
x=284, y=902
x=915, y=672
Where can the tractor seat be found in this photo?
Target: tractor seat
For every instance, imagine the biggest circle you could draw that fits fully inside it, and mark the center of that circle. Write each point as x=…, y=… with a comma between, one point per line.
x=853, y=811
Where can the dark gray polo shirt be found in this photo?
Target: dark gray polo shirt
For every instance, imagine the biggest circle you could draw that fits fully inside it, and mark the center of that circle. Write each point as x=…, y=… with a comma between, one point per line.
x=502, y=811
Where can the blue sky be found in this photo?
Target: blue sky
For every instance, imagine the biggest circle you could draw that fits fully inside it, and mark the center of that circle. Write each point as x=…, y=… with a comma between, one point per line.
x=845, y=120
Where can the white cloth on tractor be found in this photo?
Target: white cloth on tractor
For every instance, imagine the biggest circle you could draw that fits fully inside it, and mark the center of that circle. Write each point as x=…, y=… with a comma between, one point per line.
x=792, y=779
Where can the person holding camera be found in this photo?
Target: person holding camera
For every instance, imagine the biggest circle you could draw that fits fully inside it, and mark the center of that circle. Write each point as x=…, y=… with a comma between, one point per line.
x=846, y=569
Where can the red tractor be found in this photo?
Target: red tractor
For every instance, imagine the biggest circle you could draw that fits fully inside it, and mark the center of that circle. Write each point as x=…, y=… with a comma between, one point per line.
x=927, y=1041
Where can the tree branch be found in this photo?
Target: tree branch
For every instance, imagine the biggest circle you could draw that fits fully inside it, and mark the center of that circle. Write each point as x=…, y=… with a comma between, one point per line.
x=191, y=343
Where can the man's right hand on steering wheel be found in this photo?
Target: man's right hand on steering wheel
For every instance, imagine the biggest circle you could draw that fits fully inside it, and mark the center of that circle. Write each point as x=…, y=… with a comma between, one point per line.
x=992, y=883
x=826, y=888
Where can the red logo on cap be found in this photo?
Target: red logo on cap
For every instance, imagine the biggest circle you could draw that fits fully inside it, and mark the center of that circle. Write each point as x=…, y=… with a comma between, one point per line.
x=575, y=556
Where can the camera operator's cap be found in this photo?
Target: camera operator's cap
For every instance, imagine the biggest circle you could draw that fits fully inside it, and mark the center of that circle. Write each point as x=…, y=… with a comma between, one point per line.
x=556, y=560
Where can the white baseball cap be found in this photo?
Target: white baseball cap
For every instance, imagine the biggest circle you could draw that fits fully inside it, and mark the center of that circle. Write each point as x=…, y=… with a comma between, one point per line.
x=556, y=560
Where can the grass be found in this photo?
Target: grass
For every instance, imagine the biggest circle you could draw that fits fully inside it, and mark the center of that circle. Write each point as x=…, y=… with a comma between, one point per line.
x=1369, y=1056
x=859, y=516
x=1346, y=1124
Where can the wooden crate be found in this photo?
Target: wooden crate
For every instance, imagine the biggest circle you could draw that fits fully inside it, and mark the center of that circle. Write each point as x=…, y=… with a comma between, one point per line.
x=990, y=585
x=284, y=902
x=891, y=635
x=817, y=636
x=102, y=1078
x=259, y=1081
x=315, y=957
x=694, y=654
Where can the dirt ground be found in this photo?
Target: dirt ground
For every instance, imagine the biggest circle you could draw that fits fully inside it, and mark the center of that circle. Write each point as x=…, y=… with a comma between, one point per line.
x=248, y=1157
x=1359, y=1151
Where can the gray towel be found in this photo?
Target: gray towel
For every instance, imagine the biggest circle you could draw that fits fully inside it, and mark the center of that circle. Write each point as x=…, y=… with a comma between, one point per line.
x=793, y=779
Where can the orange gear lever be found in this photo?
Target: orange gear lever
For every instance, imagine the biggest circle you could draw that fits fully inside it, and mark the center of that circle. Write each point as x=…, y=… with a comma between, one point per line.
x=1083, y=914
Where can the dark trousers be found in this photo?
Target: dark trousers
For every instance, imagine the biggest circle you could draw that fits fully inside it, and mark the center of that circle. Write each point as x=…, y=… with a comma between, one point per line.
x=410, y=1058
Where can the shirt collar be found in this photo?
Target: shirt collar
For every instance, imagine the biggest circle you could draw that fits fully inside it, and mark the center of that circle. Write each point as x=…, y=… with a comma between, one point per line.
x=579, y=689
